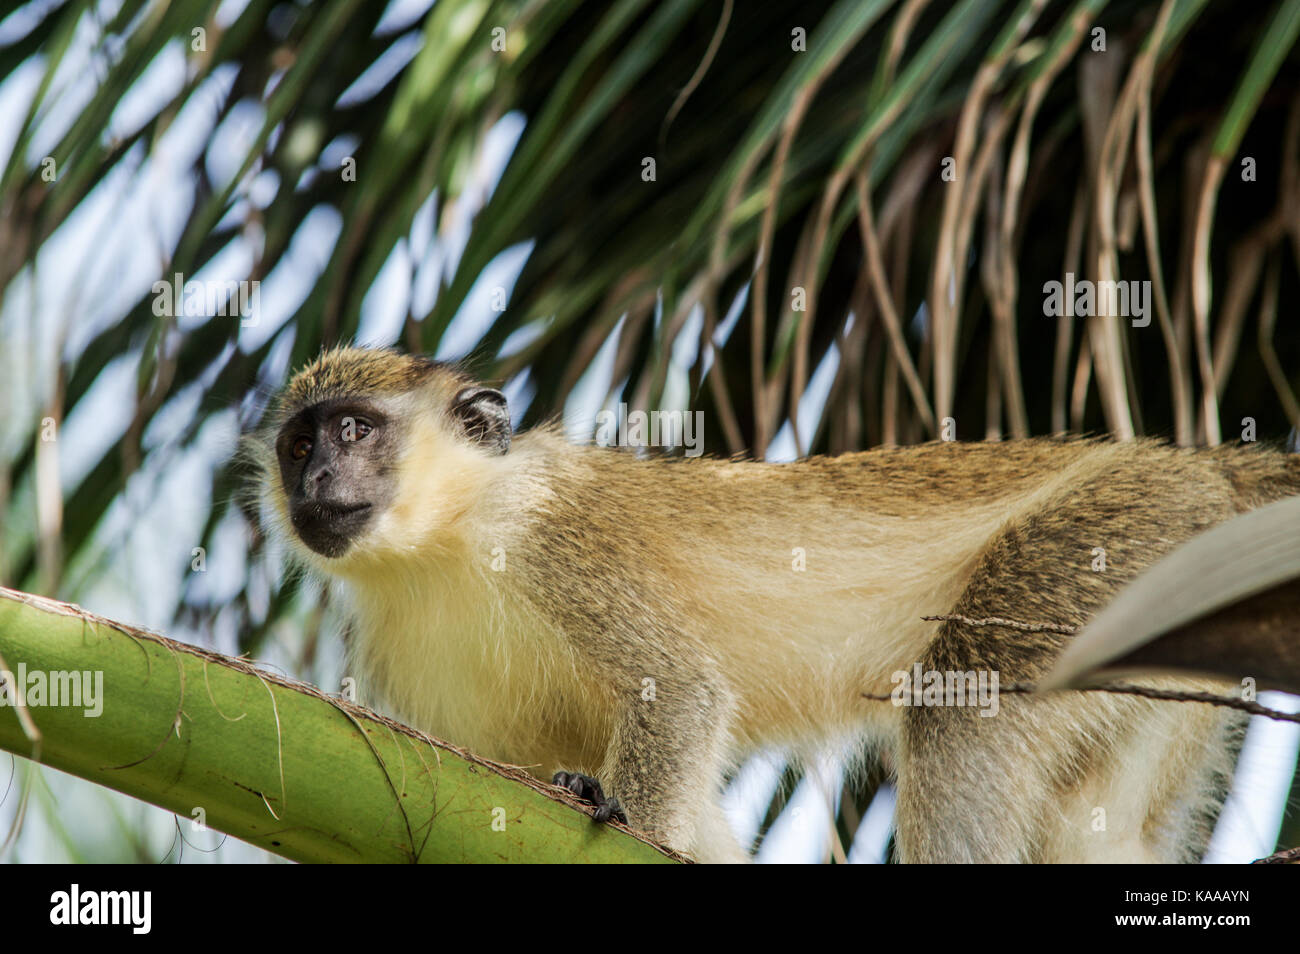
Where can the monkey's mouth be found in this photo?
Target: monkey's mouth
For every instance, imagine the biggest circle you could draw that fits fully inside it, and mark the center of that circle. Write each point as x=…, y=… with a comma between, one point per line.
x=328, y=528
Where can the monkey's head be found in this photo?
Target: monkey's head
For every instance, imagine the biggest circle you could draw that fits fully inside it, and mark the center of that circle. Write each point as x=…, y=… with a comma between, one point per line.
x=368, y=454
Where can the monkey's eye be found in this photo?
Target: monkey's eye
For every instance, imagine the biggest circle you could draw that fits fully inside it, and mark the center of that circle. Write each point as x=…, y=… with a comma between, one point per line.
x=354, y=429
x=301, y=448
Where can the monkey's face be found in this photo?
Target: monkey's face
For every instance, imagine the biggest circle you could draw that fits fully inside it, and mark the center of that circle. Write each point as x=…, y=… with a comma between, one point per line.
x=375, y=456
x=335, y=462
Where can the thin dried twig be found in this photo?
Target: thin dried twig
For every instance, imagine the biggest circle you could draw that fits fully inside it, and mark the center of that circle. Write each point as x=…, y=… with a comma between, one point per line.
x=1287, y=856
x=1064, y=628
x=884, y=302
x=948, y=277
x=1148, y=692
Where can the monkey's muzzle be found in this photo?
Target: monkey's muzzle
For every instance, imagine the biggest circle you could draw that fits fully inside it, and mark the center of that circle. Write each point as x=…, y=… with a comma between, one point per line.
x=328, y=528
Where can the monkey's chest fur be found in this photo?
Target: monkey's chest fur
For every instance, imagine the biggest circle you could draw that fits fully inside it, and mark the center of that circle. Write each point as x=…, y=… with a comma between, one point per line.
x=477, y=670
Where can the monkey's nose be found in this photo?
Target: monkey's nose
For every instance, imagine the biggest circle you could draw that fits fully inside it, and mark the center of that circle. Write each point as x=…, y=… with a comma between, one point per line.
x=317, y=481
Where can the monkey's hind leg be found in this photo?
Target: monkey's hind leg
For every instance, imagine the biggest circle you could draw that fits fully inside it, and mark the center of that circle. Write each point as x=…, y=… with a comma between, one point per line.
x=1069, y=776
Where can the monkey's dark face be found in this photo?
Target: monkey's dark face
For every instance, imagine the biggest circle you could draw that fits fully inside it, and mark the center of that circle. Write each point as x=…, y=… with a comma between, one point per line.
x=336, y=461
x=369, y=457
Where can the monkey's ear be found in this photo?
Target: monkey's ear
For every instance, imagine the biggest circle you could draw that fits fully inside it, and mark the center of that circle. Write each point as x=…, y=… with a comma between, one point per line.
x=485, y=417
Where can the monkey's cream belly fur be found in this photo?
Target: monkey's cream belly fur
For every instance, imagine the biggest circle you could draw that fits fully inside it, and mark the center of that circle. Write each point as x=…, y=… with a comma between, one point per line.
x=653, y=623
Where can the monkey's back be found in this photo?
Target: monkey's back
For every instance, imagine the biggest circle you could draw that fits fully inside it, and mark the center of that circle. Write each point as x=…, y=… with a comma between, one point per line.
x=805, y=583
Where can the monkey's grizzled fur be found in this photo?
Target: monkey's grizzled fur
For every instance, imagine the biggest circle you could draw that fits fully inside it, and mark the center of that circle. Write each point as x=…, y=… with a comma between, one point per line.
x=651, y=622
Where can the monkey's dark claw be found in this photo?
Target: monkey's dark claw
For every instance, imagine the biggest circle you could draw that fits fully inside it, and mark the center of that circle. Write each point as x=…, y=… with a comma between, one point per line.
x=589, y=790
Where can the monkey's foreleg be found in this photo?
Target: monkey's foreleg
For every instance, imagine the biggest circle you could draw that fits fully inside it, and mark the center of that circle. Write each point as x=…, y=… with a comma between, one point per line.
x=666, y=758
x=589, y=790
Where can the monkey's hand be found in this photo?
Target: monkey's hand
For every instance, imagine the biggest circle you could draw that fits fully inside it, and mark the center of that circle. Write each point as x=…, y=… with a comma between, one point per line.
x=589, y=790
